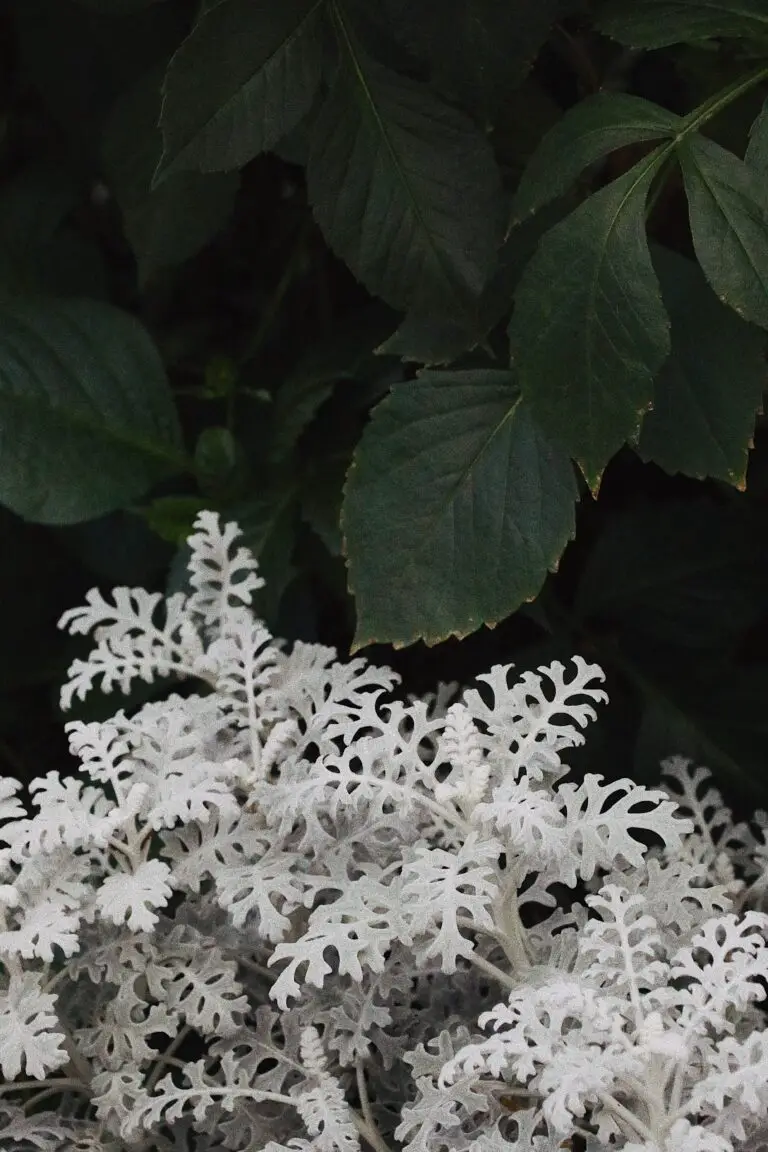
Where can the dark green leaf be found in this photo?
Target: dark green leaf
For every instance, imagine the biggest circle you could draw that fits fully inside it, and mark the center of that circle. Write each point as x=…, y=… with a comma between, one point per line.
x=756, y=156
x=710, y=388
x=168, y=224
x=589, y=331
x=689, y=574
x=172, y=517
x=87, y=423
x=430, y=338
x=243, y=78
x=220, y=464
x=729, y=225
x=404, y=187
x=658, y=23
x=456, y=506
x=588, y=132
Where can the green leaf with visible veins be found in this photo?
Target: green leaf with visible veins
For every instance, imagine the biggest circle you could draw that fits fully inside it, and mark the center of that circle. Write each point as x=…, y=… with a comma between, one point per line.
x=456, y=506
x=729, y=225
x=659, y=23
x=404, y=187
x=242, y=79
x=588, y=132
x=589, y=332
x=709, y=390
x=87, y=422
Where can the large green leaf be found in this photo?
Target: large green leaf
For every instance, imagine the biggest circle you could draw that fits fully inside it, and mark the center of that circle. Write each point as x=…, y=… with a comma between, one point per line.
x=729, y=225
x=658, y=23
x=588, y=132
x=244, y=77
x=456, y=506
x=589, y=332
x=685, y=573
x=172, y=222
x=710, y=388
x=87, y=423
x=404, y=187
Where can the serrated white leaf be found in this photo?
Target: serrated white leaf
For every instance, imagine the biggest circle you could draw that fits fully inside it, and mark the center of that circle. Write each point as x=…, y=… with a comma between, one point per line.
x=132, y=898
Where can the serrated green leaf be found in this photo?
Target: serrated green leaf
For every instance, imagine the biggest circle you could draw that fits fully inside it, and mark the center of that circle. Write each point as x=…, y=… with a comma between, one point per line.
x=431, y=338
x=729, y=225
x=588, y=132
x=659, y=23
x=404, y=187
x=168, y=224
x=710, y=388
x=589, y=332
x=242, y=79
x=455, y=508
x=87, y=423
x=687, y=573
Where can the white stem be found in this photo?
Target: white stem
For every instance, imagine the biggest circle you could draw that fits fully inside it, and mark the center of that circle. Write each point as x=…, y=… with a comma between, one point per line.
x=621, y=1113
x=492, y=971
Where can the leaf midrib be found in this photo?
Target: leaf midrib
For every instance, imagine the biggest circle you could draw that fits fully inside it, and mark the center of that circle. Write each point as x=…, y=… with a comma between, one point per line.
x=382, y=128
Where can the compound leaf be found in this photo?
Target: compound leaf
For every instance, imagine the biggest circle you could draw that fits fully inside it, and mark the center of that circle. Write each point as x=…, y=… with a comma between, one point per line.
x=404, y=187
x=588, y=132
x=659, y=23
x=456, y=506
x=710, y=388
x=589, y=332
x=87, y=422
x=242, y=79
x=729, y=225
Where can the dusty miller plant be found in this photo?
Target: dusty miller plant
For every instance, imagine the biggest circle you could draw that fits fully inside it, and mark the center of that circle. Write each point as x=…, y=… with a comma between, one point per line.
x=289, y=911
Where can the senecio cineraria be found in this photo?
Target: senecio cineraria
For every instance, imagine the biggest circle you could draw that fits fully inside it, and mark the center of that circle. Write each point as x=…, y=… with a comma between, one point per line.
x=292, y=913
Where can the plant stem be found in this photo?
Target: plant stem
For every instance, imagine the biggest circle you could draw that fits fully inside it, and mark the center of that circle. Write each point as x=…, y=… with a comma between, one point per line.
x=167, y=1056
x=362, y=1091
x=696, y=119
x=492, y=971
x=371, y=1135
x=64, y=1084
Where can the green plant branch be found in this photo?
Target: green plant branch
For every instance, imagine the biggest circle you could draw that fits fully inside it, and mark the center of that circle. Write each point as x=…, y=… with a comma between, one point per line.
x=695, y=120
